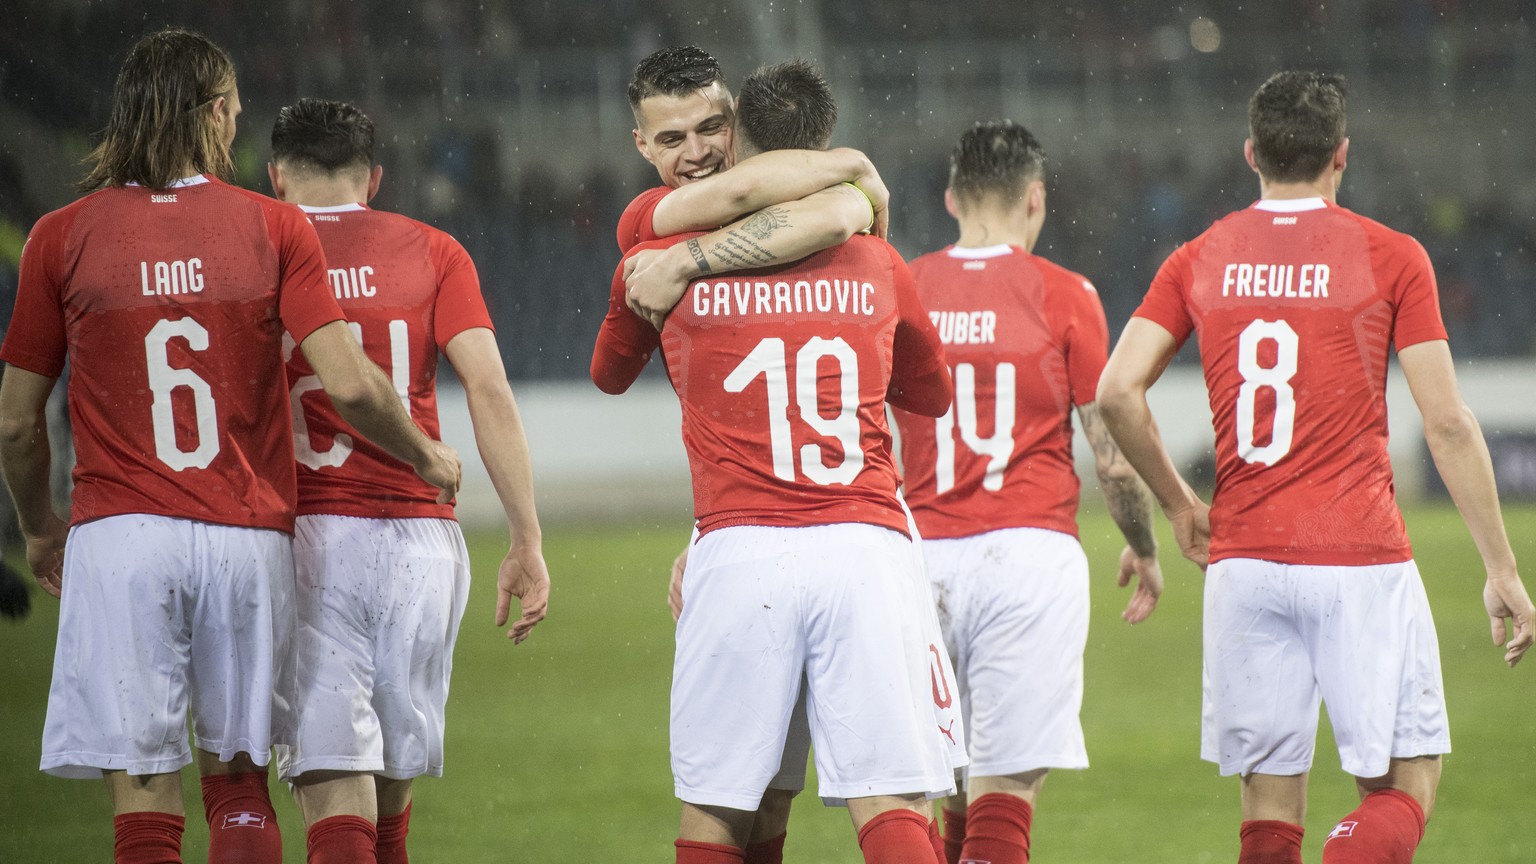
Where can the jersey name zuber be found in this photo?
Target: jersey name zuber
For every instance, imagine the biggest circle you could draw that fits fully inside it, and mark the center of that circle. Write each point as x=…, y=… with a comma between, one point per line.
x=977, y=327
x=802, y=296
x=1308, y=281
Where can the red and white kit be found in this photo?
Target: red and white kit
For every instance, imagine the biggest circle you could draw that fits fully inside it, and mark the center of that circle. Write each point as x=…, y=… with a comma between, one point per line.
x=783, y=377
x=383, y=574
x=993, y=489
x=1297, y=303
x=635, y=223
x=171, y=307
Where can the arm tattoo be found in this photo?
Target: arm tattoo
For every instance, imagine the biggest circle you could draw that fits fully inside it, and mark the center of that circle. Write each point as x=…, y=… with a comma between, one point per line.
x=699, y=258
x=1128, y=498
x=765, y=221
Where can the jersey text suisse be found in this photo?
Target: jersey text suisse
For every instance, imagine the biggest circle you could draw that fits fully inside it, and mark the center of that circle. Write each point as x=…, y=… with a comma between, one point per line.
x=171, y=305
x=783, y=376
x=1026, y=341
x=407, y=289
x=1296, y=303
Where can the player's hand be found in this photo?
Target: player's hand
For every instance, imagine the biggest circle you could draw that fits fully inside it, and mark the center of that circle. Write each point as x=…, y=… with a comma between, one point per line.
x=1505, y=597
x=1149, y=584
x=1192, y=528
x=522, y=575
x=653, y=283
x=45, y=555
x=443, y=470
x=675, y=585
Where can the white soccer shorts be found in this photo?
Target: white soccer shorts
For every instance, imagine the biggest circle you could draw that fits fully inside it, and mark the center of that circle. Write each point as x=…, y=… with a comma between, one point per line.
x=1013, y=604
x=1279, y=637
x=379, y=604
x=160, y=617
x=833, y=603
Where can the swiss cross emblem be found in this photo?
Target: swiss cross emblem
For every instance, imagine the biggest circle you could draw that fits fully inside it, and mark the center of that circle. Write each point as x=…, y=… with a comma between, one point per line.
x=245, y=819
x=1343, y=829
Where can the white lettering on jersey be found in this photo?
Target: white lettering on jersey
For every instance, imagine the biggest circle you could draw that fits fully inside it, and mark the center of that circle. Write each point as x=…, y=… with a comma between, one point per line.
x=1284, y=220
x=729, y=299
x=1275, y=281
x=163, y=199
x=349, y=283
x=965, y=328
x=171, y=277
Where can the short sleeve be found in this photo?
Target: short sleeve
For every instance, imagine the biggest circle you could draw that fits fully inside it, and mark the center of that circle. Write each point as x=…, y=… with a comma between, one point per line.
x=36, y=340
x=460, y=305
x=1166, y=301
x=1416, y=293
x=305, y=301
x=636, y=224
x=1087, y=341
x=625, y=342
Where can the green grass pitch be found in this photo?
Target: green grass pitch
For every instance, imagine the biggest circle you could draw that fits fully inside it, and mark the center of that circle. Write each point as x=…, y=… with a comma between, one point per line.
x=557, y=748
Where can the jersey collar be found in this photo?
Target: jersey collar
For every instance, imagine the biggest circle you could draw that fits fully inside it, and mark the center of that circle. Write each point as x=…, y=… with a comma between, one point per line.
x=1290, y=205
x=194, y=180
x=335, y=208
x=977, y=252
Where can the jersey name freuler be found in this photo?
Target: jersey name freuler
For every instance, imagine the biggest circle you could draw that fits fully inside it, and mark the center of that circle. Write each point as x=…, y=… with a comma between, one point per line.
x=1274, y=281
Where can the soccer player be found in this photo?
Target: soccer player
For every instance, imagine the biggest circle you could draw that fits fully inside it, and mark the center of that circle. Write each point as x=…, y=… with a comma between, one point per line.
x=1311, y=590
x=382, y=571
x=992, y=488
x=169, y=291
x=803, y=565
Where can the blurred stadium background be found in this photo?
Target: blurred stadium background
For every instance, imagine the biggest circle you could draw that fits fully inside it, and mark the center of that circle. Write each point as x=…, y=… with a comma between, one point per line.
x=505, y=123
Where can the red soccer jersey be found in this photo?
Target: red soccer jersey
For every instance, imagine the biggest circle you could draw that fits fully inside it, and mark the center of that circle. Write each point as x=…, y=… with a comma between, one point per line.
x=171, y=307
x=1026, y=341
x=783, y=377
x=407, y=289
x=635, y=223
x=1296, y=304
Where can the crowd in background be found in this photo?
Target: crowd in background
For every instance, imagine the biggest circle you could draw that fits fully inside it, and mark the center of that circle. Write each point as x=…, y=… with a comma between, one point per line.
x=444, y=81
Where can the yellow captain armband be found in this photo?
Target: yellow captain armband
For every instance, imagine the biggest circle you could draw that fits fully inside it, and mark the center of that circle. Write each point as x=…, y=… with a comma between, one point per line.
x=870, y=201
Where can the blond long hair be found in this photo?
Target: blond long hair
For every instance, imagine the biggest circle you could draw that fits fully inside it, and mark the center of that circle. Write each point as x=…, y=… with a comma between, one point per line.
x=162, y=114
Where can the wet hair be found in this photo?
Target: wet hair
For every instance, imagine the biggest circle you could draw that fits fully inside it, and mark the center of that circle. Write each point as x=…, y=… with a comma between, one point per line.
x=995, y=157
x=676, y=71
x=322, y=135
x=786, y=106
x=162, y=119
x=1296, y=121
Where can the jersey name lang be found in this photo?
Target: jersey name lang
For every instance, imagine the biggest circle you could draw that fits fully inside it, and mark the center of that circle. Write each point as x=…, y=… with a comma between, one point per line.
x=171, y=277
x=843, y=296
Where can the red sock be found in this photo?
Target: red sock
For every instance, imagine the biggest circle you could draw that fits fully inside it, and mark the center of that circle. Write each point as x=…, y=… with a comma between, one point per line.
x=147, y=838
x=242, y=828
x=694, y=852
x=392, y=830
x=997, y=830
x=954, y=834
x=341, y=840
x=936, y=841
x=1270, y=841
x=770, y=851
x=1384, y=829
x=897, y=837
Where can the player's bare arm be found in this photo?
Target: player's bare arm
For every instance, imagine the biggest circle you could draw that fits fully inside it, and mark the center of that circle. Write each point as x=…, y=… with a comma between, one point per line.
x=1130, y=505
x=774, y=177
x=365, y=398
x=1461, y=456
x=655, y=279
x=1139, y=358
x=504, y=450
x=26, y=457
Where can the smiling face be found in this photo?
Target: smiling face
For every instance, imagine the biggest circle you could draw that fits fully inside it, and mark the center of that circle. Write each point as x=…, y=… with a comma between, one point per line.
x=686, y=137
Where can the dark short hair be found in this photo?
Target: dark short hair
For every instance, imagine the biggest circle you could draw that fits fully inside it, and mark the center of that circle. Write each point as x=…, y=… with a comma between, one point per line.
x=995, y=157
x=323, y=135
x=1296, y=121
x=786, y=106
x=162, y=120
x=676, y=71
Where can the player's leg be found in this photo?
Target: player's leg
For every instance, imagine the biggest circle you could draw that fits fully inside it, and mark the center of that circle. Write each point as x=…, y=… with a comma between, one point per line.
x=770, y=826
x=893, y=829
x=731, y=709
x=1260, y=700
x=999, y=816
x=122, y=652
x=394, y=801
x=340, y=810
x=1387, y=705
x=953, y=836
x=241, y=623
